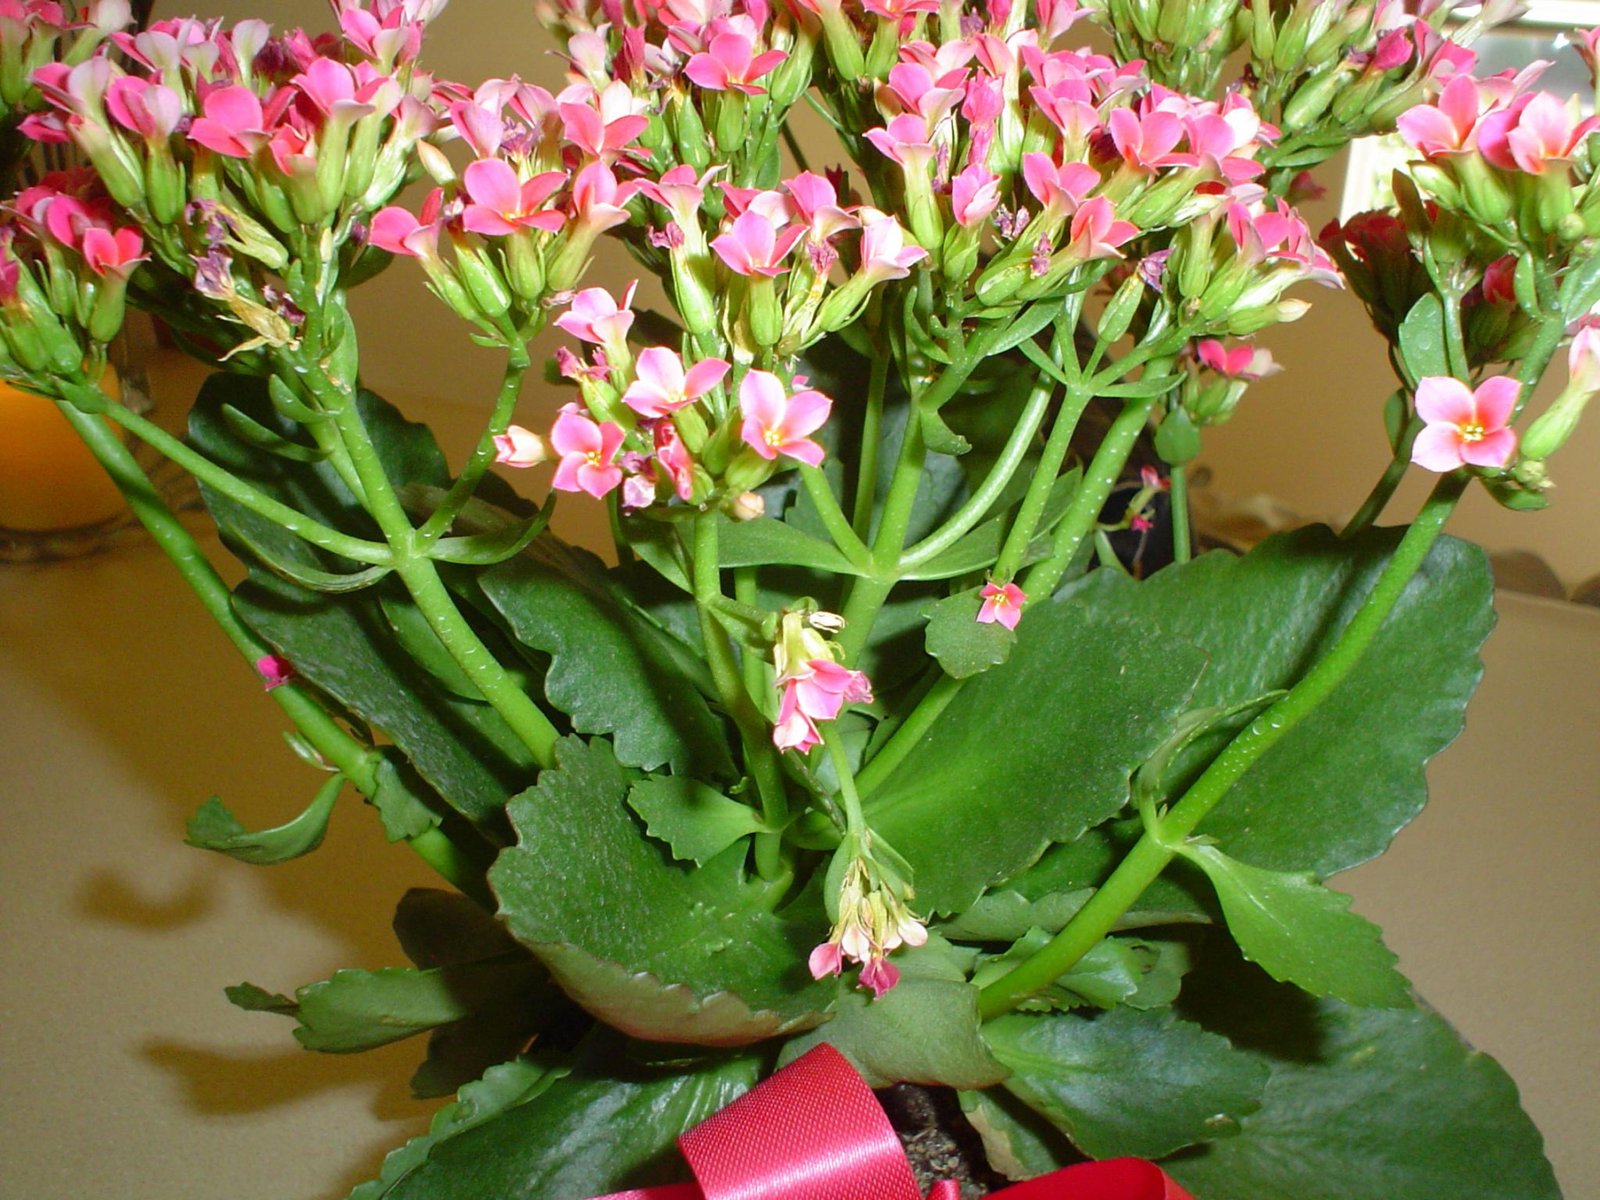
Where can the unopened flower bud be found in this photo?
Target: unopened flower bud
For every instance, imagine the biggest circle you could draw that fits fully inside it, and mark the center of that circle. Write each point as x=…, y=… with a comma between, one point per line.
x=747, y=506
x=519, y=447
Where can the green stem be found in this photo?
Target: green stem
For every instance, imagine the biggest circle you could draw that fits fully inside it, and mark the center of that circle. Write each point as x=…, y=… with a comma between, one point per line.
x=761, y=755
x=868, y=593
x=904, y=739
x=466, y=484
x=1383, y=491
x=854, y=820
x=1152, y=852
x=1000, y=475
x=235, y=489
x=1031, y=510
x=1182, y=539
x=871, y=433
x=358, y=763
x=422, y=580
x=833, y=518
x=1455, y=345
x=1091, y=496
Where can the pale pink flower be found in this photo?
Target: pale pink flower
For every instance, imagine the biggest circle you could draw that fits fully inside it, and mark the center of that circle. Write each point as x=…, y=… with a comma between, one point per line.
x=1060, y=189
x=679, y=191
x=816, y=690
x=729, y=63
x=588, y=453
x=231, y=123
x=1546, y=131
x=974, y=194
x=1146, y=143
x=815, y=203
x=754, y=245
x=598, y=200
x=826, y=959
x=1464, y=427
x=905, y=140
x=777, y=423
x=588, y=128
x=149, y=109
x=519, y=447
x=1445, y=127
x=1002, y=604
x=595, y=317
x=662, y=386
x=884, y=253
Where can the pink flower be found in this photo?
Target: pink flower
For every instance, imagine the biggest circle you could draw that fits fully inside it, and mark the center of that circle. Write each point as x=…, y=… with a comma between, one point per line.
x=1243, y=361
x=826, y=959
x=1145, y=143
x=519, y=447
x=1060, y=189
x=884, y=253
x=149, y=109
x=880, y=975
x=598, y=199
x=728, y=63
x=588, y=453
x=1546, y=132
x=776, y=423
x=1445, y=128
x=274, y=670
x=1096, y=233
x=1465, y=428
x=602, y=132
x=754, y=246
x=1002, y=604
x=905, y=140
x=115, y=254
x=674, y=458
x=815, y=691
x=231, y=124
x=595, y=317
x=974, y=194
x=499, y=203
x=662, y=386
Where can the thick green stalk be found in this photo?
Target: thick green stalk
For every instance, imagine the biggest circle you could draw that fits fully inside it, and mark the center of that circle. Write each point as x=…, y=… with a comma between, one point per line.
x=422, y=580
x=472, y=473
x=1153, y=852
x=358, y=763
x=1098, y=482
x=761, y=756
x=904, y=740
x=1182, y=539
x=833, y=518
x=1031, y=511
x=235, y=489
x=871, y=433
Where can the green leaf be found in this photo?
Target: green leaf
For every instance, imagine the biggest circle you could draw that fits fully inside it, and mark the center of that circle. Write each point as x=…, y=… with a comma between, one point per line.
x=344, y=645
x=213, y=827
x=1363, y=1103
x=360, y=1010
x=980, y=547
x=1004, y=915
x=938, y=436
x=1303, y=933
x=693, y=818
x=654, y=948
x=964, y=647
x=1139, y=972
x=1000, y=774
x=610, y=671
x=766, y=541
x=1018, y=1142
x=1422, y=339
x=923, y=1030
x=1335, y=789
x=247, y=429
x=1025, y=324
x=401, y=808
x=526, y=1135
x=1127, y=1082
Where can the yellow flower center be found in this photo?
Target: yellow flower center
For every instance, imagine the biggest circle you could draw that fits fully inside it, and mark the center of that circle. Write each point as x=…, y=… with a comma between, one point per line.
x=1472, y=431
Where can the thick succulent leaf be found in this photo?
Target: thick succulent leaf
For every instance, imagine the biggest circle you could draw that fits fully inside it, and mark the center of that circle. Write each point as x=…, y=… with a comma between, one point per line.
x=923, y=1030
x=1018, y=1142
x=1138, y=972
x=693, y=818
x=653, y=947
x=610, y=671
x=767, y=541
x=361, y=1010
x=1127, y=1082
x=1335, y=790
x=345, y=646
x=1362, y=1104
x=1034, y=751
x=603, y=1126
x=1303, y=933
x=213, y=827
x=964, y=647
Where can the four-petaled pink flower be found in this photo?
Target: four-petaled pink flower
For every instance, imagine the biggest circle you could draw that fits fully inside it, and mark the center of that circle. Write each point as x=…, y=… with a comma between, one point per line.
x=1002, y=604
x=777, y=423
x=754, y=246
x=588, y=453
x=519, y=447
x=817, y=690
x=1444, y=128
x=499, y=203
x=1243, y=361
x=1096, y=232
x=115, y=254
x=728, y=63
x=1465, y=428
x=884, y=253
x=231, y=122
x=594, y=316
x=662, y=386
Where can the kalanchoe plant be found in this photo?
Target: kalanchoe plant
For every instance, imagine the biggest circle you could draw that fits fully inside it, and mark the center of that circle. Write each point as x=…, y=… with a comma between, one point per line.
x=870, y=737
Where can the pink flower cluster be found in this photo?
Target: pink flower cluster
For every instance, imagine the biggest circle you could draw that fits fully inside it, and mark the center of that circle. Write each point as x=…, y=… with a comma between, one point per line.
x=69, y=209
x=874, y=921
x=812, y=690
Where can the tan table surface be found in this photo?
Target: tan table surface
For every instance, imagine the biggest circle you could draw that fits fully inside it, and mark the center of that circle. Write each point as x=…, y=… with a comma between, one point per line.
x=126, y=1073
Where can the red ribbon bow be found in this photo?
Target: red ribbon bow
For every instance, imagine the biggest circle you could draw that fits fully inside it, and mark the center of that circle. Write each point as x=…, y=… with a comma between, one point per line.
x=814, y=1131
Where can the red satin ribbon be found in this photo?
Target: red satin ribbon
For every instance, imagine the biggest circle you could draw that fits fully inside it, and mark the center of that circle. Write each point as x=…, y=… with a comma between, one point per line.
x=815, y=1131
